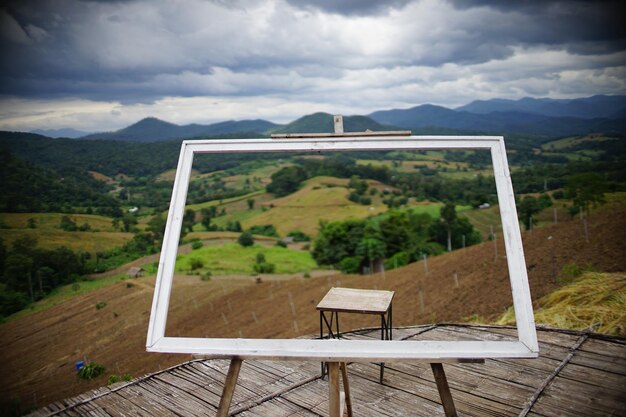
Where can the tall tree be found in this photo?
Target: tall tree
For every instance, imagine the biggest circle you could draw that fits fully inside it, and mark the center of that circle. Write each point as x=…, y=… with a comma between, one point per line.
x=586, y=190
x=189, y=219
x=527, y=208
x=448, y=217
x=371, y=249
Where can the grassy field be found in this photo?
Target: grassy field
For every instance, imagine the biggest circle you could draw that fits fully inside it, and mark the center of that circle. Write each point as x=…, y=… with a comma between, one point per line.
x=232, y=258
x=226, y=201
x=49, y=235
x=67, y=292
x=263, y=174
x=77, y=241
x=455, y=170
x=321, y=198
x=50, y=221
x=484, y=219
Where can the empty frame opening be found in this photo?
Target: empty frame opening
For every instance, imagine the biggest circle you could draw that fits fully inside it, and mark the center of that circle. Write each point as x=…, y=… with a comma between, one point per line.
x=217, y=288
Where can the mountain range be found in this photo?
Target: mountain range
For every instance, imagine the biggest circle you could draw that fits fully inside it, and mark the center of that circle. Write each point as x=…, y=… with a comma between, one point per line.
x=547, y=117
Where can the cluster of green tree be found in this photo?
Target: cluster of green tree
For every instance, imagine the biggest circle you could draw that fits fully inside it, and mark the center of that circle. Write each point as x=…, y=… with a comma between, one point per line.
x=474, y=191
x=28, y=273
x=546, y=177
x=141, y=244
x=26, y=188
x=400, y=236
x=205, y=190
x=115, y=157
x=264, y=230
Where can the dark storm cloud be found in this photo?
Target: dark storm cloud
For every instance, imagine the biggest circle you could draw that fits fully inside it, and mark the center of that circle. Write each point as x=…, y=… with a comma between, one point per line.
x=132, y=51
x=581, y=26
x=350, y=7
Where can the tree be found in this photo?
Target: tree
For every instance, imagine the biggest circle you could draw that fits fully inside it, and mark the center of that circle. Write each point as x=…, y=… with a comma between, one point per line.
x=18, y=273
x=189, y=219
x=586, y=190
x=527, y=208
x=250, y=202
x=129, y=221
x=156, y=225
x=67, y=224
x=286, y=181
x=448, y=217
x=234, y=226
x=208, y=213
x=371, y=249
x=32, y=223
x=337, y=240
x=245, y=239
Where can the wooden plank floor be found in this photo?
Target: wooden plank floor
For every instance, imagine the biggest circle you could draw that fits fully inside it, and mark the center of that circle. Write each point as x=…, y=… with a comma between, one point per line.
x=576, y=374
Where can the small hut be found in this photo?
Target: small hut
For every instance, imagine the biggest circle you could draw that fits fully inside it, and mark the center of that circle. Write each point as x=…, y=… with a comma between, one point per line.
x=135, y=272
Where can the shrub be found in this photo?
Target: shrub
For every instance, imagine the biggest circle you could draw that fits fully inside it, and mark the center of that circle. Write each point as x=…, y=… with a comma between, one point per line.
x=195, y=263
x=101, y=305
x=351, y=265
x=298, y=236
x=265, y=230
x=196, y=244
x=569, y=272
x=91, y=370
x=281, y=244
x=206, y=276
x=264, y=268
x=397, y=260
x=115, y=378
x=245, y=239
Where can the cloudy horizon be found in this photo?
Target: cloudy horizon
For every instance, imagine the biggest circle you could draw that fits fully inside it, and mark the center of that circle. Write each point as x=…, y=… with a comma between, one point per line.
x=102, y=65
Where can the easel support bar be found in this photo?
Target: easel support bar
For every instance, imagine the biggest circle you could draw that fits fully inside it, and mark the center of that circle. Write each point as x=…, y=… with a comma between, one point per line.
x=229, y=387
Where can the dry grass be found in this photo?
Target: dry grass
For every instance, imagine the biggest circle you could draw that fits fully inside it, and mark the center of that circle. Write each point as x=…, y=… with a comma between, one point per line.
x=594, y=300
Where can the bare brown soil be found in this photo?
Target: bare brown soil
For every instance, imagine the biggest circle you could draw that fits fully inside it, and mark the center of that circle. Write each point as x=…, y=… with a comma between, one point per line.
x=38, y=352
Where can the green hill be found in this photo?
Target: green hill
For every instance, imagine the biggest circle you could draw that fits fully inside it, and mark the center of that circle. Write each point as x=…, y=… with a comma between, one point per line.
x=323, y=123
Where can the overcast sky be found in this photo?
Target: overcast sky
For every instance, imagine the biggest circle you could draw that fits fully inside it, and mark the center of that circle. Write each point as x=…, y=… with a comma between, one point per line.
x=102, y=65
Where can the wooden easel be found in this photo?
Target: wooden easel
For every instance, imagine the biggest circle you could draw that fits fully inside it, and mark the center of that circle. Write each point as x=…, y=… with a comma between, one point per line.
x=337, y=400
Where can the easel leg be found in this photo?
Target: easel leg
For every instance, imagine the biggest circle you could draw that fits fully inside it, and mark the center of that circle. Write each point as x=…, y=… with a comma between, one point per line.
x=444, y=390
x=334, y=398
x=229, y=387
x=346, y=387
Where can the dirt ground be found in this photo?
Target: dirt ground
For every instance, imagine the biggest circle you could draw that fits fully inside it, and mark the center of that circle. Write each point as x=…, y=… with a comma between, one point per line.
x=38, y=352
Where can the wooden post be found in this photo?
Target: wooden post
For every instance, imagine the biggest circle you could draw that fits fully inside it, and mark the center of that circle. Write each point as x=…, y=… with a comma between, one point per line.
x=444, y=390
x=229, y=387
x=338, y=121
x=334, y=398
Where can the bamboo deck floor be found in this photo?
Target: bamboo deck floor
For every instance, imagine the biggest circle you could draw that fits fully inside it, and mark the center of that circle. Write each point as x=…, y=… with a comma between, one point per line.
x=576, y=374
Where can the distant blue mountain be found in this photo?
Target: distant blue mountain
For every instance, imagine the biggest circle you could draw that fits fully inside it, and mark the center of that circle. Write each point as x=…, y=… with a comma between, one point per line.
x=501, y=119
x=546, y=117
x=152, y=129
x=67, y=132
x=586, y=108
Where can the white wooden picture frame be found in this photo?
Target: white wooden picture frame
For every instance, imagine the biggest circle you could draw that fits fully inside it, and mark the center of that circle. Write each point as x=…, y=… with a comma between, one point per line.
x=346, y=350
